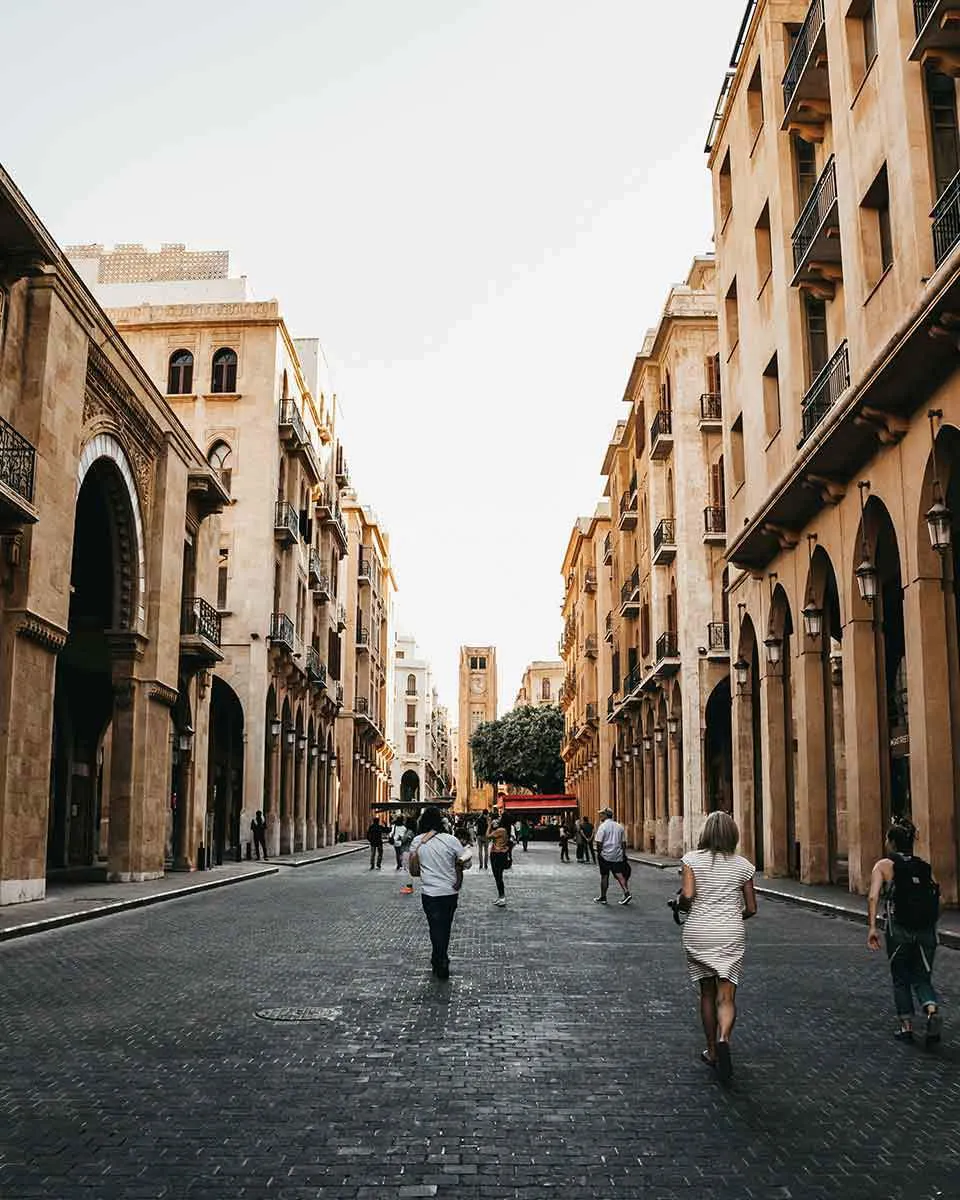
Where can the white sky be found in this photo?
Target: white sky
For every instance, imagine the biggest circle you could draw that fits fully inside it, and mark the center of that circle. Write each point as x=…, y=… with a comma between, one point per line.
x=478, y=208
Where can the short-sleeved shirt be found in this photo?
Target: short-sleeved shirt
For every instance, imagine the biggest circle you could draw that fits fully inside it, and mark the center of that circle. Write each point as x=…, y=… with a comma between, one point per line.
x=610, y=840
x=438, y=862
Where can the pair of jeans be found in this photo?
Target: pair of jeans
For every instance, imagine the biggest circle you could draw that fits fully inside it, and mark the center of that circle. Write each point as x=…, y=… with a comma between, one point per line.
x=439, y=910
x=482, y=843
x=498, y=864
x=911, y=952
x=376, y=855
x=564, y=852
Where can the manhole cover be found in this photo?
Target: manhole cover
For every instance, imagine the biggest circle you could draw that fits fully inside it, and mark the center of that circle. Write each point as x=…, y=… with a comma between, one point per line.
x=298, y=1014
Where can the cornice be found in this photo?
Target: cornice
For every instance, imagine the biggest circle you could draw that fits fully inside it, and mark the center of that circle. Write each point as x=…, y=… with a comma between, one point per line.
x=163, y=694
x=39, y=629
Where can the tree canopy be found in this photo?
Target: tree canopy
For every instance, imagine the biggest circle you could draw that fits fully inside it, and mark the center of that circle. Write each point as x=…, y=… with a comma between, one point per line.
x=521, y=749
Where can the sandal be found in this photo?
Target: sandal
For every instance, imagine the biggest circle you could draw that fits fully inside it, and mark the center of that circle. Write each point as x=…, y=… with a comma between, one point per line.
x=904, y=1035
x=705, y=1057
x=724, y=1062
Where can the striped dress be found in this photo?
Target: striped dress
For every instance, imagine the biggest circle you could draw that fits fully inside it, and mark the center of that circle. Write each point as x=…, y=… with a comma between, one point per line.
x=713, y=936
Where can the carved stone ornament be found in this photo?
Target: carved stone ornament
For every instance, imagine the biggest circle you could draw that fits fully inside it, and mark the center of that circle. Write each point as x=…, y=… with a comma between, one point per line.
x=38, y=629
x=162, y=693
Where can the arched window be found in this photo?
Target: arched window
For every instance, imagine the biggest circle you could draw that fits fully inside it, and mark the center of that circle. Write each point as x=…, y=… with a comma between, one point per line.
x=411, y=685
x=224, y=371
x=219, y=458
x=180, y=373
x=545, y=690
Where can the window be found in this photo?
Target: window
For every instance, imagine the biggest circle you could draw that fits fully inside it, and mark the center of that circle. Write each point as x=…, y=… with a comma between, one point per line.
x=411, y=743
x=875, y=232
x=411, y=714
x=473, y=662
x=736, y=451
x=761, y=236
x=717, y=484
x=645, y=628
x=755, y=104
x=733, y=318
x=222, y=575
x=725, y=184
x=861, y=38
x=815, y=321
x=712, y=367
x=224, y=378
x=771, y=398
x=219, y=458
x=285, y=385
x=545, y=690
x=411, y=681
x=805, y=164
x=400, y=654
x=483, y=663
x=180, y=373
x=944, y=136
x=666, y=394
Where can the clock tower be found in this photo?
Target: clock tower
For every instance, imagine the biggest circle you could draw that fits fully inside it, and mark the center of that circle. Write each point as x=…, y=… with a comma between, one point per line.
x=478, y=703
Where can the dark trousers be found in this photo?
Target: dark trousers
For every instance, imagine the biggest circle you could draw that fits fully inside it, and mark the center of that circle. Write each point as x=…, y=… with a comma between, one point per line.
x=398, y=851
x=911, y=965
x=498, y=864
x=439, y=910
x=376, y=852
x=590, y=853
x=260, y=843
x=564, y=851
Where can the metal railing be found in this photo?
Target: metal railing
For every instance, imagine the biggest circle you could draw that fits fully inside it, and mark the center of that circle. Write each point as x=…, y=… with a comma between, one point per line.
x=200, y=619
x=921, y=13
x=282, y=631
x=364, y=569
x=631, y=586
x=290, y=418
x=363, y=706
x=711, y=408
x=339, y=695
x=590, y=580
x=628, y=503
x=285, y=518
x=826, y=390
x=314, y=566
x=590, y=646
x=611, y=703
x=714, y=519
x=591, y=710
x=608, y=548
x=803, y=47
x=718, y=636
x=662, y=424
x=363, y=635
x=316, y=670
x=608, y=627
x=664, y=534
x=822, y=199
x=668, y=646
x=946, y=221
x=631, y=681
x=18, y=460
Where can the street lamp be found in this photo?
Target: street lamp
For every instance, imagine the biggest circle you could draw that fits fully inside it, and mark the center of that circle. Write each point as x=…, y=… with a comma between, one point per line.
x=673, y=726
x=939, y=517
x=647, y=742
x=291, y=736
x=741, y=670
x=774, y=647
x=275, y=727
x=302, y=743
x=812, y=614
x=866, y=573
x=658, y=734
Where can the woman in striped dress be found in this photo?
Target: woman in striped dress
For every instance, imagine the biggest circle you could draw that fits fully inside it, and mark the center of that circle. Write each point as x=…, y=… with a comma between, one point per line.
x=718, y=896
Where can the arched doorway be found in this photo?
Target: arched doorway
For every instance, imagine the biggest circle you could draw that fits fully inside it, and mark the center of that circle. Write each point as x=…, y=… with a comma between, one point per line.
x=409, y=787
x=748, y=743
x=718, y=748
x=272, y=739
x=783, y=849
x=288, y=736
x=178, y=831
x=225, y=771
x=299, y=784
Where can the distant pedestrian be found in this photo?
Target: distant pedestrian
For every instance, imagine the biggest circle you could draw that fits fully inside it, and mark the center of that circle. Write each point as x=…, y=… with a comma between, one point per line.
x=501, y=860
x=398, y=833
x=375, y=838
x=611, y=841
x=904, y=884
x=718, y=896
x=587, y=826
x=524, y=834
x=483, y=826
x=438, y=859
x=258, y=827
x=564, y=844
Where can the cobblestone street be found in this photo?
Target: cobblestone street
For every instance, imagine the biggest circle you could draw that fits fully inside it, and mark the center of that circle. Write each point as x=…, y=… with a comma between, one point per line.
x=561, y=1056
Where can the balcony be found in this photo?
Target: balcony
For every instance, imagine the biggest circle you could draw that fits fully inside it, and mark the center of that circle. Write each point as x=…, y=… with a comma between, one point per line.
x=946, y=221
x=341, y=616
x=341, y=473
x=338, y=693
x=711, y=413
x=590, y=580
x=314, y=570
x=714, y=526
x=613, y=701
x=667, y=658
x=607, y=550
x=665, y=542
x=608, y=628
x=590, y=646
x=630, y=595
x=364, y=572
x=718, y=640
x=316, y=671
x=283, y=634
x=817, y=258
x=631, y=684
x=292, y=429
x=200, y=632
x=363, y=638
x=17, y=466
x=628, y=511
x=806, y=83
x=286, y=524
x=591, y=712
x=825, y=391
x=661, y=434
x=937, y=23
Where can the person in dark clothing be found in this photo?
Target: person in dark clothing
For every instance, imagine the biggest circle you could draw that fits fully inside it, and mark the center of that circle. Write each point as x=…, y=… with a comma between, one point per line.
x=590, y=852
x=258, y=827
x=375, y=838
x=564, y=844
x=524, y=834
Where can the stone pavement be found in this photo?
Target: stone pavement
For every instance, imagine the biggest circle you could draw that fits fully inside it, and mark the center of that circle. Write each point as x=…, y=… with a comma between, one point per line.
x=561, y=1057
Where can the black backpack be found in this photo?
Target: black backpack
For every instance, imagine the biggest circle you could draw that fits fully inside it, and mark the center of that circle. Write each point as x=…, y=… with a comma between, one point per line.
x=481, y=826
x=916, y=898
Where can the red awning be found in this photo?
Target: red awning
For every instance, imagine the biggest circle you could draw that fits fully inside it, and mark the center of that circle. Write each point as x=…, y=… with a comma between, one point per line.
x=533, y=804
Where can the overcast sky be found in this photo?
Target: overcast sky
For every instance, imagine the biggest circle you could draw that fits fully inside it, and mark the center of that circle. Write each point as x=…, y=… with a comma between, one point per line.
x=478, y=208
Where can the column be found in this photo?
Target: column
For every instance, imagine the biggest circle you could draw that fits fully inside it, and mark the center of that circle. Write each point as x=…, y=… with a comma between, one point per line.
x=636, y=824
x=776, y=859
x=660, y=749
x=300, y=798
x=650, y=797
x=272, y=815
x=310, y=843
x=862, y=728
x=744, y=800
x=287, y=776
x=675, y=826
x=813, y=832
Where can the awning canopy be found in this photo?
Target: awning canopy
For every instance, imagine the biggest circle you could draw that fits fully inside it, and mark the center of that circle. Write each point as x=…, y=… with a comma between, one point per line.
x=538, y=804
x=438, y=802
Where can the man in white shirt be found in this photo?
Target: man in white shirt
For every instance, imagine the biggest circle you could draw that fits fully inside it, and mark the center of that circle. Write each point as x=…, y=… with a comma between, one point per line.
x=439, y=859
x=611, y=842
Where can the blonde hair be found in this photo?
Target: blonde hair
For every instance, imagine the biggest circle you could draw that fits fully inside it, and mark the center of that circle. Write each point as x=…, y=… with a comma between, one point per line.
x=720, y=834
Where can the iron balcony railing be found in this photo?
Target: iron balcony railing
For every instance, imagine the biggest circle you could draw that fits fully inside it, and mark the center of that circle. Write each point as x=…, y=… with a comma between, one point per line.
x=664, y=534
x=282, y=631
x=662, y=424
x=316, y=671
x=946, y=221
x=285, y=518
x=921, y=13
x=826, y=390
x=290, y=418
x=633, y=484
x=631, y=681
x=17, y=461
x=710, y=407
x=590, y=580
x=714, y=520
x=608, y=627
x=628, y=503
x=200, y=619
x=365, y=569
x=668, y=646
x=591, y=711
x=718, y=636
x=363, y=635
x=363, y=706
x=806, y=40
x=339, y=695
x=608, y=548
x=611, y=703
x=815, y=211
x=631, y=586
x=590, y=646
x=341, y=615
x=314, y=566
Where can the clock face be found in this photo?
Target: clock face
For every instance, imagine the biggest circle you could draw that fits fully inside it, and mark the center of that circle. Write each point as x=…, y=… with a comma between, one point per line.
x=476, y=685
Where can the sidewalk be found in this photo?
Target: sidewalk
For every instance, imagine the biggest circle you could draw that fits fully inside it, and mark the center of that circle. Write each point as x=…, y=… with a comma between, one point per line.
x=825, y=898
x=71, y=903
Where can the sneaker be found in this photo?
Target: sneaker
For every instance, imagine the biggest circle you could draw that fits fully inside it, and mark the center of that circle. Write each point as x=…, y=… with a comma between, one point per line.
x=599, y=899
x=934, y=1027
x=627, y=898
x=406, y=890
x=500, y=902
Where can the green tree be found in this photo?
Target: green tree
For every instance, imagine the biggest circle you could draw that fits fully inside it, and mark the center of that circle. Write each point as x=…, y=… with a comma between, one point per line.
x=521, y=749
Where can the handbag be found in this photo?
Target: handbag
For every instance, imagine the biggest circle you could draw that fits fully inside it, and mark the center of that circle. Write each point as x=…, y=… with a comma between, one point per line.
x=679, y=914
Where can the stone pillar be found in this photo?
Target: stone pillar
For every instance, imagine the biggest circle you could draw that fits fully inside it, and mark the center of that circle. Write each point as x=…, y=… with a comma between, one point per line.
x=743, y=789
x=299, y=799
x=272, y=816
x=675, y=827
x=931, y=741
x=663, y=793
x=636, y=834
x=288, y=789
x=813, y=812
x=313, y=814
x=650, y=799
x=776, y=858
x=862, y=741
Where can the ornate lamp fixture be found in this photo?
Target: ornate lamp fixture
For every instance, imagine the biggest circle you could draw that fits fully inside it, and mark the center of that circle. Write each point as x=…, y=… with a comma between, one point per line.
x=741, y=671
x=673, y=726
x=658, y=734
x=812, y=614
x=868, y=580
x=275, y=727
x=939, y=517
x=647, y=742
x=773, y=643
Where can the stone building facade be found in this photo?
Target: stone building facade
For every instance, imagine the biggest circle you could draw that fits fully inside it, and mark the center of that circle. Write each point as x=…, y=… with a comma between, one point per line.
x=835, y=162
x=477, y=704
x=108, y=541
x=540, y=684
x=587, y=749
x=421, y=733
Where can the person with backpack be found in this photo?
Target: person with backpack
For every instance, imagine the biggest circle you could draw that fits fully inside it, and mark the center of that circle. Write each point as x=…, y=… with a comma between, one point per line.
x=483, y=826
x=905, y=886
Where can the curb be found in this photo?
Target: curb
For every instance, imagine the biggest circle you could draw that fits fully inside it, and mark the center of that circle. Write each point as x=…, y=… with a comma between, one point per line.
x=309, y=862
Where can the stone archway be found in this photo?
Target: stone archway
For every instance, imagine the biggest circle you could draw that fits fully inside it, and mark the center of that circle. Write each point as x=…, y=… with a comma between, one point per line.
x=288, y=736
x=225, y=771
x=747, y=747
x=272, y=748
x=718, y=748
x=409, y=787
x=781, y=849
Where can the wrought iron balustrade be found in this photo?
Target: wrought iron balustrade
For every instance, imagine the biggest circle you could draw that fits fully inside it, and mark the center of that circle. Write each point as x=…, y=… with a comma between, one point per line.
x=631, y=681
x=711, y=408
x=17, y=461
x=290, y=418
x=363, y=706
x=664, y=534
x=802, y=49
x=826, y=390
x=662, y=424
x=285, y=519
x=946, y=221
x=198, y=618
x=921, y=13
x=815, y=212
x=668, y=646
x=714, y=519
x=628, y=503
x=282, y=631
x=718, y=636
x=608, y=548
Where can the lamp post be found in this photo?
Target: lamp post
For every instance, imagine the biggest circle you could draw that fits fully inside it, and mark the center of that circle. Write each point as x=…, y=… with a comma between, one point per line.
x=741, y=671
x=812, y=614
x=673, y=726
x=939, y=517
x=866, y=573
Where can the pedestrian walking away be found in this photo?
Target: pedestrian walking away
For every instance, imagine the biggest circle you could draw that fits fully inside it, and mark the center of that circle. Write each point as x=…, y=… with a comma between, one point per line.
x=258, y=827
x=398, y=834
x=612, y=857
x=524, y=834
x=375, y=838
x=501, y=860
x=482, y=827
x=564, y=844
x=589, y=854
x=581, y=841
x=439, y=860
x=718, y=896
x=904, y=885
